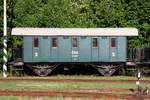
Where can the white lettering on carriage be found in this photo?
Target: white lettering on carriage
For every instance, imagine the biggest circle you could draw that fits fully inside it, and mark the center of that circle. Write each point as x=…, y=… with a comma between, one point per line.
x=75, y=54
x=36, y=54
x=113, y=54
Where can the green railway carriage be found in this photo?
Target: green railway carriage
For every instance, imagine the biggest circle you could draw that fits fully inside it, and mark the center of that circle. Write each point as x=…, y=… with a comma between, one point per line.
x=102, y=48
x=74, y=49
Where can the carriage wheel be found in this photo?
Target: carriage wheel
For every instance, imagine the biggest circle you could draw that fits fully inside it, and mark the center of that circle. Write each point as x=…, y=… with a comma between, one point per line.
x=42, y=72
x=106, y=71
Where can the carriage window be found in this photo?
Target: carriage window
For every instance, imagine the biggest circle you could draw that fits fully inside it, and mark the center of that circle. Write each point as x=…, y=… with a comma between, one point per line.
x=94, y=42
x=36, y=42
x=83, y=37
x=74, y=42
x=54, y=42
x=66, y=37
x=104, y=37
x=45, y=37
x=113, y=42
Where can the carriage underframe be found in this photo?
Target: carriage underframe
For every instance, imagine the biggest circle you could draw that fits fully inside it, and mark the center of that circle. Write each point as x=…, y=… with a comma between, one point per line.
x=44, y=69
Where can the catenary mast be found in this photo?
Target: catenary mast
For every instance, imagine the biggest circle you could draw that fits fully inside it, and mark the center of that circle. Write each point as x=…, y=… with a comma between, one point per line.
x=5, y=41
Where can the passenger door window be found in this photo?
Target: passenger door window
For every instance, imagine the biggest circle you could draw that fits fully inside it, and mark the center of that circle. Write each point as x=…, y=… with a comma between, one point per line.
x=36, y=42
x=94, y=42
x=74, y=42
x=54, y=42
x=113, y=42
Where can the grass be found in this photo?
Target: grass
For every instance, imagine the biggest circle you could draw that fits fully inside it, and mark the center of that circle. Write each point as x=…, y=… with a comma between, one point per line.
x=8, y=98
x=48, y=98
x=95, y=77
x=82, y=77
x=62, y=86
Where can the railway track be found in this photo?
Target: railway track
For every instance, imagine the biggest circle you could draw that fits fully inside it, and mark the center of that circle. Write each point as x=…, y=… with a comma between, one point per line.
x=73, y=80
x=75, y=94
x=117, y=93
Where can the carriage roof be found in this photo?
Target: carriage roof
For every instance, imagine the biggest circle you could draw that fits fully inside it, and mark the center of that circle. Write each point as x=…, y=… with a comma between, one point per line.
x=75, y=31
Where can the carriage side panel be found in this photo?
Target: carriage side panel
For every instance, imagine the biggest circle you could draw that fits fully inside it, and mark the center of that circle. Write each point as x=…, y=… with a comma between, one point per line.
x=64, y=49
x=122, y=49
x=27, y=49
x=84, y=49
x=104, y=49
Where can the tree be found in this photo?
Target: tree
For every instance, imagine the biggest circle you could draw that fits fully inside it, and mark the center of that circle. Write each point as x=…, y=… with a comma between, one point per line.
x=79, y=13
x=83, y=13
x=138, y=15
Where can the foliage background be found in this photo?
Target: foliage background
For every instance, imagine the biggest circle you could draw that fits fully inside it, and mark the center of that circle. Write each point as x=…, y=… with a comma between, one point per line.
x=78, y=13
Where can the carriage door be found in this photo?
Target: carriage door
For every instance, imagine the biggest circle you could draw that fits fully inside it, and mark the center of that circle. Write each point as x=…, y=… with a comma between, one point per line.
x=75, y=49
x=54, y=49
x=95, y=49
x=45, y=49
x=113, y=49
x=104, y=49
x=65, y=49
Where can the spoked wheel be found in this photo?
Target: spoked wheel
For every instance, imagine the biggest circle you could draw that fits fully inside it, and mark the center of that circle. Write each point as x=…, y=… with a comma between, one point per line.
x=42, y=72
x=106, y=71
